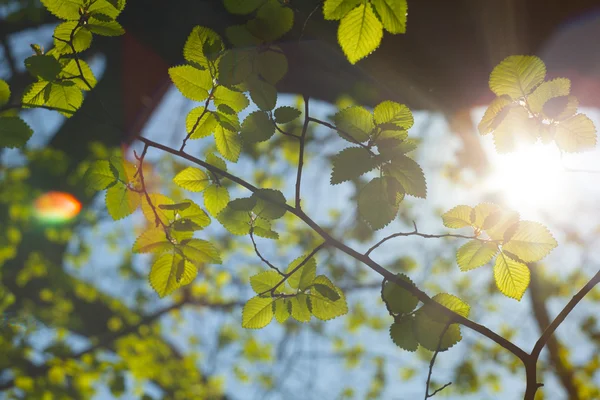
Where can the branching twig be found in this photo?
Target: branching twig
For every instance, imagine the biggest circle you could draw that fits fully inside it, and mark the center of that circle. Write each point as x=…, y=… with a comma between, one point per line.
x=301, y=152
x=346, y=135
x=260, y=255
x=437, y=350
x=189, y=134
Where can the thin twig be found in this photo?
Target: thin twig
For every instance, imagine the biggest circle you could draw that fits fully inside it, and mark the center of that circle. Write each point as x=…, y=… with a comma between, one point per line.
x=437, y=350
x=189, y=134
x=345, y=134
x=260, y=255
x=301, y=151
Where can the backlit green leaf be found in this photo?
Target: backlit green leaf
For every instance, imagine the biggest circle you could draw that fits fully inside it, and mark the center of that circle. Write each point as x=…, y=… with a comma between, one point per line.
x=458, y=217
x=377, y=201
x=516, y=129
x=429, y=332
x=299, y=307
x=70, y=70
x=121, y=202
x=272, y=21
x=14, y=132
x=410, y=175
x=575, y=134
x=215, y=199
x=351, y=163
x=517, y=76
x=64, y=9
x=449, y=301
x=192, y=179
x=303, y=276
x=82, y=39
x=104, y=28
x=258, y=312
x=228, y=143
x=257, y=127
x=4, y=93
x=99, y=175
x=200, y=251
x=64, y=96
x=271, y=65
x=324, y=307
x=494, y=114
x=192, y=217
x=546, y=91
x=152, y=241
x=236, y=222
x=360, y=32
x=200, y=127
x=270, y=203
x=286, y=114
x=193, y=50
x=43, y=67
x=393, y=113
x=531, y=242
x=337, y=9
x=356, y=122
x=392, y=14
x=236, y=100
x=265, y=281
x=282, y=310
x=402, y=333
x=397, y=299
x=512, y=277
x=235, y=66
x=474, y=254
x=170, y=272
x=263, y=94
x=191, y=82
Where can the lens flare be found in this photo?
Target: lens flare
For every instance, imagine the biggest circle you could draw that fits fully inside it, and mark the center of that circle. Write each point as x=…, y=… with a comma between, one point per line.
x=56, y=207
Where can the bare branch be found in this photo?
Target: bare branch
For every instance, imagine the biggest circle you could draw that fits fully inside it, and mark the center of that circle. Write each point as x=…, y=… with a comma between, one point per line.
x=301, y=152
x=437, y=350
x=260, y=255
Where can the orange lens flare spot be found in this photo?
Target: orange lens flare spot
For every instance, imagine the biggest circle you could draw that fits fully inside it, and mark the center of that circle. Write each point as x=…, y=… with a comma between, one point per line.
x=56, y=207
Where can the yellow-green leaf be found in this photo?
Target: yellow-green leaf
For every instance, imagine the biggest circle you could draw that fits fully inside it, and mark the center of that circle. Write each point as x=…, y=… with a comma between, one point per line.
x=494, y=114
x=531, y=242
x=258, y=312
x=397, y=299
x=236, y=100
x=192, y=179
x=512, y=277
x=393, y=113
x=65, y=9
x=99, y=175
x=402, y=332
x=378, y=201
x=575, y=134
x=546, y=91
x=429, y=332
x=4, y=93
x=458, y=217
x=193, y=50
x=70, y=70
x=516, y=129
x=215, y=199
x=410, y=175
x=302, y=277
x=517, y=76
x=151, y=211
x=82, y=39
x=282, y=310
x=325, y=308
x=271, y=65
x=337, y=9
x=351, y=163
x=300, y=310
x=257, y=127
x=482, y=212
x=152, y=241
x=200, y=251
x=228, y=143
x=393, y=14
x=170, y=272
x=474, y=254
x=121, y=202
x=360, y=32
x=265, y=281
x=355, y=121
x=191, y=82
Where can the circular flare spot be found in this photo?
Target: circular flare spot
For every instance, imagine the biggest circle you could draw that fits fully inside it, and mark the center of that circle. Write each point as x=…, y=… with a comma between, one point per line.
x=57, y=207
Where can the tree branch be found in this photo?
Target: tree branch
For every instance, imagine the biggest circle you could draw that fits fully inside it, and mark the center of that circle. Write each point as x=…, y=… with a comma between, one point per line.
x=432, y=362
x=301, y=151
x=260, y=255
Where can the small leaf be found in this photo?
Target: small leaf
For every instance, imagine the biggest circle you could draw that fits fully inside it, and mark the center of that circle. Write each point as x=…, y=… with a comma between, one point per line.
x=43, y=67
x=70, y=70
x=104, y=28
x=192, y=217
x=240, y=36
x=65, y=96
x=359, y=33
x=351, y=163
x=235, y=66
x=390, y=112
x=474, y=254
x=243, y=204
x=215, y=199
x=354, y=121
x=458, y=217
x=517, y=76
x=271, y=65
x=193, y=50
x=265, y=281
x=257, y=127
x=409, y=174
x=546, y=91
x=299, y=308
x=272, y=21
x=397, y=299
x=228, y=143
x=191, y=82
x=393, y=14
x=14, y=132
x=282, y=310
x=515, y=129
x=483, y=211
x=403, y=335
x=192, y=179
x=531, y=241
x=326, y=291
x=236, y=100
x=337, y=9
x=258, y=312
x=575, y=134
x=429, y=332
x=263, y=94
x=285, y=114
x=150, y=211
x=505, y=221
x=200, y=252
x=64, y=9
x=170, y=272
x=121, y=201
x=4, y=93
x=236, y=222
x=494, y=114
x=377, y=201
x=324, y=307
x=304, y=276
x=512, y=277
x=216, y=161
x=152, y=241
x=98, y=176
x=82, y=39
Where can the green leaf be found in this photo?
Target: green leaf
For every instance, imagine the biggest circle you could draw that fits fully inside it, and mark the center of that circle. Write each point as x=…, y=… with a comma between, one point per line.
x=429, y=332
x=393, y=113
x=481, y=212
x=64, y=9
x=270, y=203
x=351, y=163
x=193, y=50
x=191, y=82
x=243, y=204
x=14, y=132
x=121, y=201
x=271, y=65
x=226, y=120
x=215, y=199
x=402, y=333
x=304, y=276
x=263, y=94
x=378, y=201
x=512, y=277
x=152, y=241
x=546, y=91
x=99, y=175
x=531, y=242
x=216, y=161
x=192, y=179
x=264, y=232
x=265, y=281
x=200, y=251
x=458, y=217
x=272, y=21
x=282, y=310
x=506, y=220
x=325, y=307
x=82, y=39
x=104, y=28
x=43, y=67
x=494, y=114
x=258, y=312
x=474, y=254
x=397, y=299
x=236, y=100
x=191, y=217
x=257, y=127
x=286, y=114
x=109, y=8
x=157, y=199
x=170, y=272
x=236, y=66
x=64, y=96
x=4, y=93
x=242, y=6
x=449, y=301
x=337, y=9
x=228, y=143
x=203, y=127
x=517, y=76
x=575, y=134
x=240, y=36
x=236, y=222
x=515, y=129
x=326, y=291
x=70, y=71
x=359, y=33
x=299, y=308
x=409, y=174
x=356, y=122
x=393, y=14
